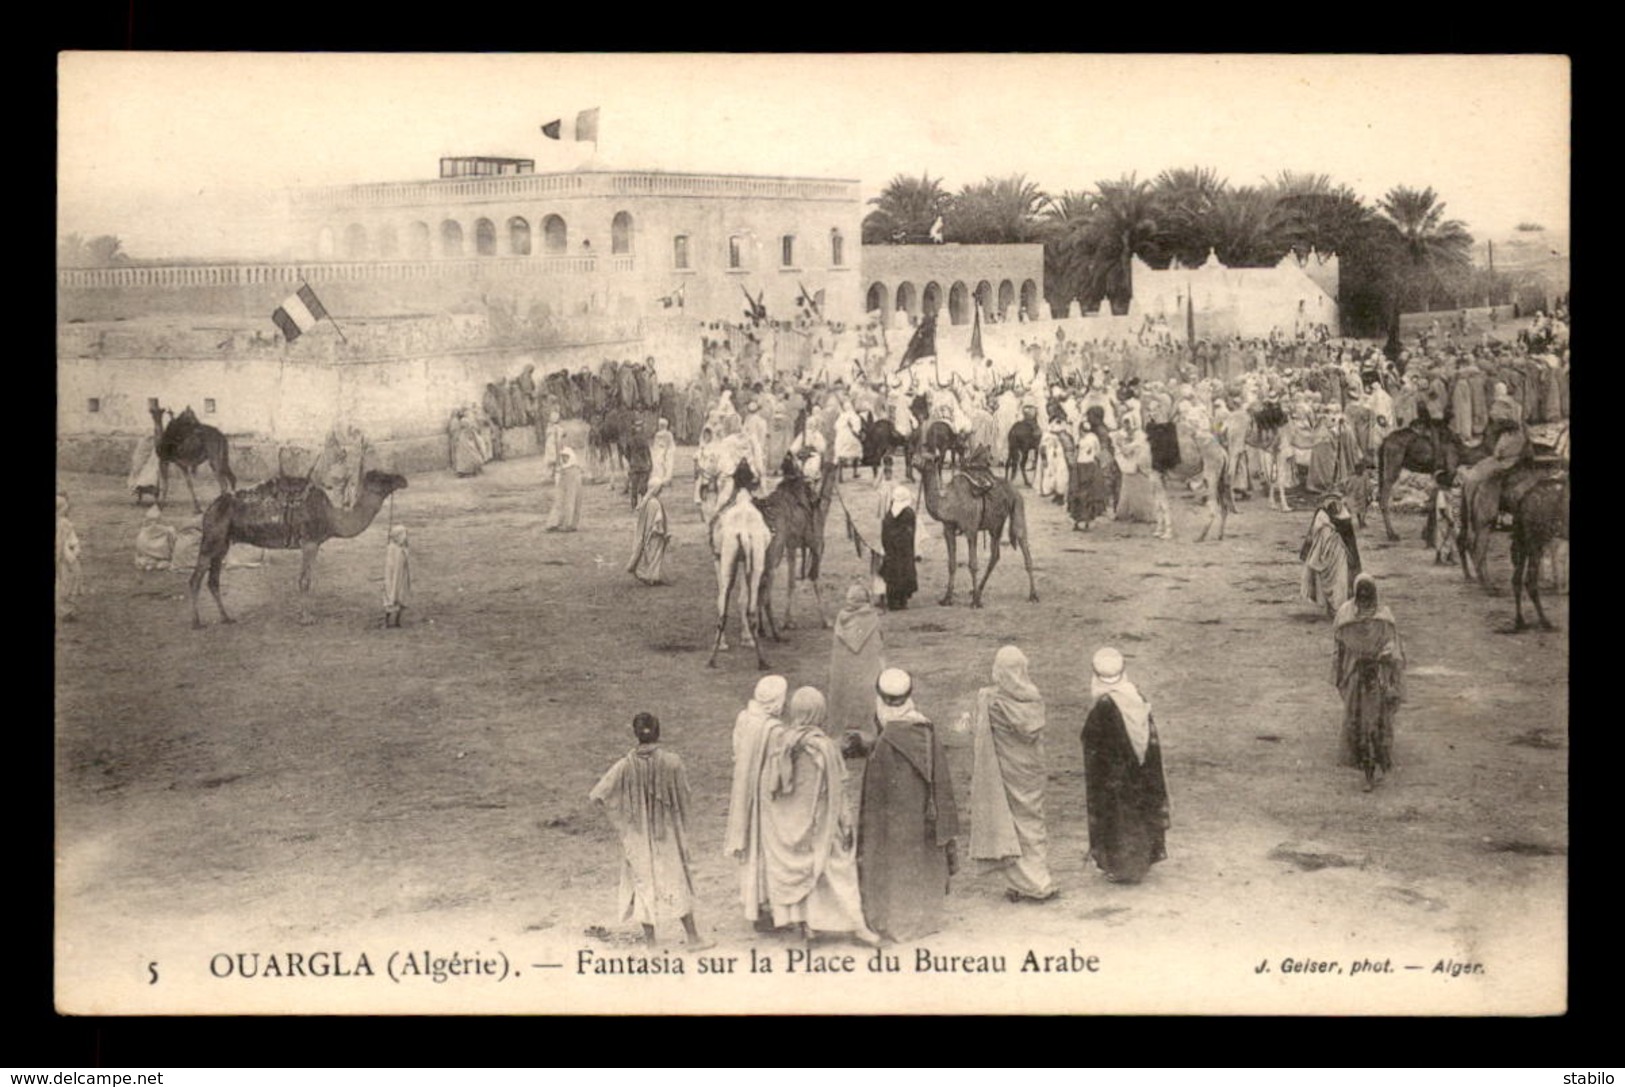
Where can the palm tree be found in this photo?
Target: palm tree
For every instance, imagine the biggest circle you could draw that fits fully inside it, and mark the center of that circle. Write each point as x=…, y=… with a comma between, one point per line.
x=996, y=211
x=1065, y=260
x=1122, y=222
x=1188, y=199
x=905, y=210
x=1436, y=249
x=1244, y=228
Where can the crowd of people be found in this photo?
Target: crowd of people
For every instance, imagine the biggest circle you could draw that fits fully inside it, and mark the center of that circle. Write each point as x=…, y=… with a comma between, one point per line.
x=843, y=820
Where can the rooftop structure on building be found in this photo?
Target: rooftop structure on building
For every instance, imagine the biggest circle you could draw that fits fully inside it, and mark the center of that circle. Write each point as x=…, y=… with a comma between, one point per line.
x=485, y=166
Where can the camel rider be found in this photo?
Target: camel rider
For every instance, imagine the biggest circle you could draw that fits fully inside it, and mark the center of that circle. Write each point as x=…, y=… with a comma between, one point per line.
x=977, y=468
x=1511, y=445
x=808, y=448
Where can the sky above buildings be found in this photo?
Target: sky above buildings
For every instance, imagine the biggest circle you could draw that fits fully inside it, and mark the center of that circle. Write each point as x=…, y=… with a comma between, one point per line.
x=186, y=155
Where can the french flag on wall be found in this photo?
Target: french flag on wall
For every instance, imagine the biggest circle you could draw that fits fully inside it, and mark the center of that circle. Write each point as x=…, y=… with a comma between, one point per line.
x=299, y=313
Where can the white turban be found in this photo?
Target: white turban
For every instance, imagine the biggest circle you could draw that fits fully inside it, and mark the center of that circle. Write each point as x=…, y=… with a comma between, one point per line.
x=1108, y=664
x=894, y=683
x=770, y=693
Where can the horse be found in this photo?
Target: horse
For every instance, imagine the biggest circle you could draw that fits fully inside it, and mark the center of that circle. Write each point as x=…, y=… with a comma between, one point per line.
x=1022, y=441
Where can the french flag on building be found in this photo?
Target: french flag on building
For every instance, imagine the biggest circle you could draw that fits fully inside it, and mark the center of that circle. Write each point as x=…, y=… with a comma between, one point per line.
x=299, y=313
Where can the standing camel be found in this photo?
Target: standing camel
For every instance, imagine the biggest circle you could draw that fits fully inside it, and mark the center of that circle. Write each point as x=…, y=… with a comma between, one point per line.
x=796, y=523
x=1480, y=510
x=283, y=514
x=1540, y=516
x=739, y=542
x=1414, y=450
x=187, y=443
x=961, y=510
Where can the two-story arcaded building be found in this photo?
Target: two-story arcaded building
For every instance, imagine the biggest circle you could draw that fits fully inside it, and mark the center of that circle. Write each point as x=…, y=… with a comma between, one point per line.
x=618, y=242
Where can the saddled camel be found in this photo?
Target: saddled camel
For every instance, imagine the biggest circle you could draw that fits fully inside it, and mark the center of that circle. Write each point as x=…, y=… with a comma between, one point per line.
x=286, y=515
x=1481, y=509
x=1414, y=449
x=962, y=511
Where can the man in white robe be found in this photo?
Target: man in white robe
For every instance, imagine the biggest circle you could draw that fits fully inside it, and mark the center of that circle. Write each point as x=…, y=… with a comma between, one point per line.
x=743, y=839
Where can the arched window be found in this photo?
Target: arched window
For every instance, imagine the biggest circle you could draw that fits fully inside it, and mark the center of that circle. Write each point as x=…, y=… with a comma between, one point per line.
x=519, y=236
x=355, y=242
x=389, y=245
x=417, y=240
x=906, y=298
x=930, y=300
x=984, y=297
x=1007, y=299
x=959, y=304
x=620, y=233
x=451, y=238
x=837, y=248
x=877, y=299
x=324, y=243
x=679, y=251
x=736, y=251
x=485, y=238
x=1029, y=299
x=787, y=251
x=555, y=238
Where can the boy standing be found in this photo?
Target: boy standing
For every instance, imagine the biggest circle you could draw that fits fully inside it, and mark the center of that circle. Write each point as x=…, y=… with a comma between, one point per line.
x=646, y=796
x=397, y=576
x=1446, y=503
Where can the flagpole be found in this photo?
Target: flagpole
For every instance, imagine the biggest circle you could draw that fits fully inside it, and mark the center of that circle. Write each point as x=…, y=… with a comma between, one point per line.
x=329, y=316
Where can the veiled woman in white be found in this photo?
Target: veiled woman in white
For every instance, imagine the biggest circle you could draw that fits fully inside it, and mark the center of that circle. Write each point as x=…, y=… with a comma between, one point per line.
x=566, y=512
x=1007, y=780
x=808, y=844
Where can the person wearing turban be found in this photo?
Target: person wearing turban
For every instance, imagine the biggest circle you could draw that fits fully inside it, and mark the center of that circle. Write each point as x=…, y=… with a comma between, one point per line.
x=743, y=839
x=907, y=821
x=1124, y=788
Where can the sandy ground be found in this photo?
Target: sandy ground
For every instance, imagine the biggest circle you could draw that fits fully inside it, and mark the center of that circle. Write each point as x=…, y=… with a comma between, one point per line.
x=268, y=787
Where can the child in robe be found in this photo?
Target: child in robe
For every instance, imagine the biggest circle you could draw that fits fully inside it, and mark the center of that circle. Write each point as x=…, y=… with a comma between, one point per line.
x=397, y=576
x=68, y=578
x=646, y=797
x=1446, y=504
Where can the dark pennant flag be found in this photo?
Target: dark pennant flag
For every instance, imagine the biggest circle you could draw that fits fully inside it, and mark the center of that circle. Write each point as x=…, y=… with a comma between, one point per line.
x=923, y=344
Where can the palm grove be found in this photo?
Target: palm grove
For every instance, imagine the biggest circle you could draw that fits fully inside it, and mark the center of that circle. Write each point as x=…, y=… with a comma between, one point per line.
x=1398, y=255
